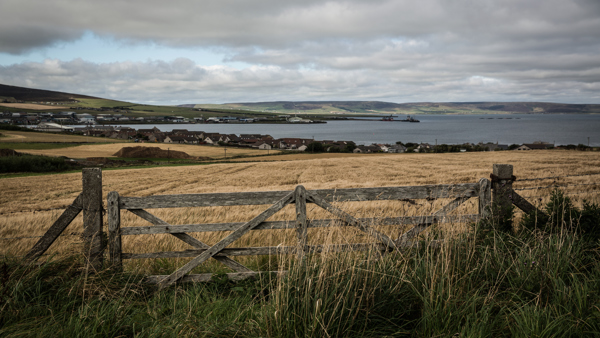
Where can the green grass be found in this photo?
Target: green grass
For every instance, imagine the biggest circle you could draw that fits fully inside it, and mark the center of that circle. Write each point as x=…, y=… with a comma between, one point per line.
x=145, y=166
x=484, y=283
x=37, y=145
x=32, y=163
x=138, y=110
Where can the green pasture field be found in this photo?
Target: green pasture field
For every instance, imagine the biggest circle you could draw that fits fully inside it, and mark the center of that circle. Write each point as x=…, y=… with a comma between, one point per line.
x=141, y=110
x=36, y=145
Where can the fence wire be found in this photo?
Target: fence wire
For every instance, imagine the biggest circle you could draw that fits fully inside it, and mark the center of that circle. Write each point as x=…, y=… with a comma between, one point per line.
x=552, y=177
x=555, y=185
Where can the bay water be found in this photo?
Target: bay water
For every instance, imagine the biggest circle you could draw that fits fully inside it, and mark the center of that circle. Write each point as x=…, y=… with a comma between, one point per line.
x=560, y=129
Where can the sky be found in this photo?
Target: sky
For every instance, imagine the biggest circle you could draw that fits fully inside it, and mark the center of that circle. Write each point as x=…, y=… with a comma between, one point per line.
x=223, y=51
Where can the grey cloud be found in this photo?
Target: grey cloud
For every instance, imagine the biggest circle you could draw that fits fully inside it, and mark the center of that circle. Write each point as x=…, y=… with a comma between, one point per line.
x=280, y=24
x=183, y=81
x=397, y=50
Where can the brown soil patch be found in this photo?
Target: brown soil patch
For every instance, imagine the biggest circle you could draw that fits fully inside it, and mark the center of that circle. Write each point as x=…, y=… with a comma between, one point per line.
x=151, y=152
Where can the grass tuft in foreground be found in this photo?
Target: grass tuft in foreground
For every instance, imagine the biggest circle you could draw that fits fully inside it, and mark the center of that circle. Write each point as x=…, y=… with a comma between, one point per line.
x=483, y=283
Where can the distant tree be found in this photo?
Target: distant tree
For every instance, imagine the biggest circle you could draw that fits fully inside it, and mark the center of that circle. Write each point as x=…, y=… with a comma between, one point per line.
x=441, y=148
x=513, y=146
x=315, y=147
x=349, y=148
x=582, y=147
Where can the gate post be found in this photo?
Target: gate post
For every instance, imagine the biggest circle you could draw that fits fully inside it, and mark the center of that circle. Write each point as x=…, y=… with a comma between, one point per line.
x=485, y=197
x=92, y=236
x=301, y=224
x=114, y=230
x=502, y=209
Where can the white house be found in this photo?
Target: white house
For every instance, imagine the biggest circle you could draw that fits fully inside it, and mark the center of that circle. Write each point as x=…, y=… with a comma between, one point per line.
x=52, y=127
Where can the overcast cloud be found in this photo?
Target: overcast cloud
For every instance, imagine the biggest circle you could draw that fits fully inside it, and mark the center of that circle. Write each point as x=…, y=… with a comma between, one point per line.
x=391, y=50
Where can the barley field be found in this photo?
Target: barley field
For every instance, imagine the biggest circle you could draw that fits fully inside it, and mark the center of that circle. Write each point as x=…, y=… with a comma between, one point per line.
x=29, y=205
x=108, y=150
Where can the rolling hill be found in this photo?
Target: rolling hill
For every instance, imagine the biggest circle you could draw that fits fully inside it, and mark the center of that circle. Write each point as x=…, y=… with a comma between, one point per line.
x=331, y=108
x=16, y=94
x=378, y=107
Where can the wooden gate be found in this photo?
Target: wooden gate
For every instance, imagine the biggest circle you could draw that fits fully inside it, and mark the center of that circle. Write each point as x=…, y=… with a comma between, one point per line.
x=201, y=252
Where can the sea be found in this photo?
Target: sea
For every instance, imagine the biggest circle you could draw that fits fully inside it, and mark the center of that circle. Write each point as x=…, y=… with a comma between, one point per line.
x=558, y=129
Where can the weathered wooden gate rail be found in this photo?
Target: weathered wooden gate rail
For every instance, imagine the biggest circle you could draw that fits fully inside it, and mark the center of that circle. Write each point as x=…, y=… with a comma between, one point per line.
x=279, y=199
x=90, y=202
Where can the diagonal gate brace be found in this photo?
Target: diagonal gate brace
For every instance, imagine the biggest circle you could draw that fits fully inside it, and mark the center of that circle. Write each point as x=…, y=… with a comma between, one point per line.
x=230, y=263
x=215, y=249
x=415, y=231
x=311, y=197
x=56, y=229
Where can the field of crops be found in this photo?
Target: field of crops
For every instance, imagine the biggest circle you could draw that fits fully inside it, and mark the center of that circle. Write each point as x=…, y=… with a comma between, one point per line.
x=28, y=206
x=476, y=283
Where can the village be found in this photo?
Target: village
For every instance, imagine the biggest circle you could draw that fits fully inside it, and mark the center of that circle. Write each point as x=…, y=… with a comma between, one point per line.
x=268, y=142
x=112, y=115
x=63, y=122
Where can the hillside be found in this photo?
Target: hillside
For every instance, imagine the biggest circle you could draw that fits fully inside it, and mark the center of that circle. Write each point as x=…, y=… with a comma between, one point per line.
x=18, y=99
x=13, y=94
x=16, y=94
x=378, y=107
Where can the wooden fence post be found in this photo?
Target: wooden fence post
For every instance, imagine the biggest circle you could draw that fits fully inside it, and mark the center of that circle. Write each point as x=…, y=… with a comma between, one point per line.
x=502, y=179
x=485, y=197
x=300, y=200
x=114, y=230
x=92, y=236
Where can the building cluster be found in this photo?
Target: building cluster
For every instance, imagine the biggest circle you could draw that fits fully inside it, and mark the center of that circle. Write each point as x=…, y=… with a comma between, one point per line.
x=118, y=115
x=59, y=122
x=184, y=136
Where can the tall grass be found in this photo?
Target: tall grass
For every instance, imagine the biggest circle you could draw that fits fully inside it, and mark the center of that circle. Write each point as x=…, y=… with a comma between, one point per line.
x=483, y=283
x=476, y=282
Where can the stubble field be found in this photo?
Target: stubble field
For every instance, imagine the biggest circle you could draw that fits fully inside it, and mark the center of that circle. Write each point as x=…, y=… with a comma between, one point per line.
x=93, y=149
x=28, y=206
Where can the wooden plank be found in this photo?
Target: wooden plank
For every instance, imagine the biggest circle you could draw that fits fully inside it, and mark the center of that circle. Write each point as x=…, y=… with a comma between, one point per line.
x=114, y=230
x=409, y=236
x=55, y=230
x=206, y=277
x=157, y=221
x=271, y=250
x=450, y=206
x=501, y=190
x=270, y=197
x=301, y=223
x=215, y=249
x=279, y=225
x=398, y=193
x=93, y=237
x=524, y=204
x=230, y=263
x=350, y=219
x=261, y=251
x=485, y=197
x=440, y=214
